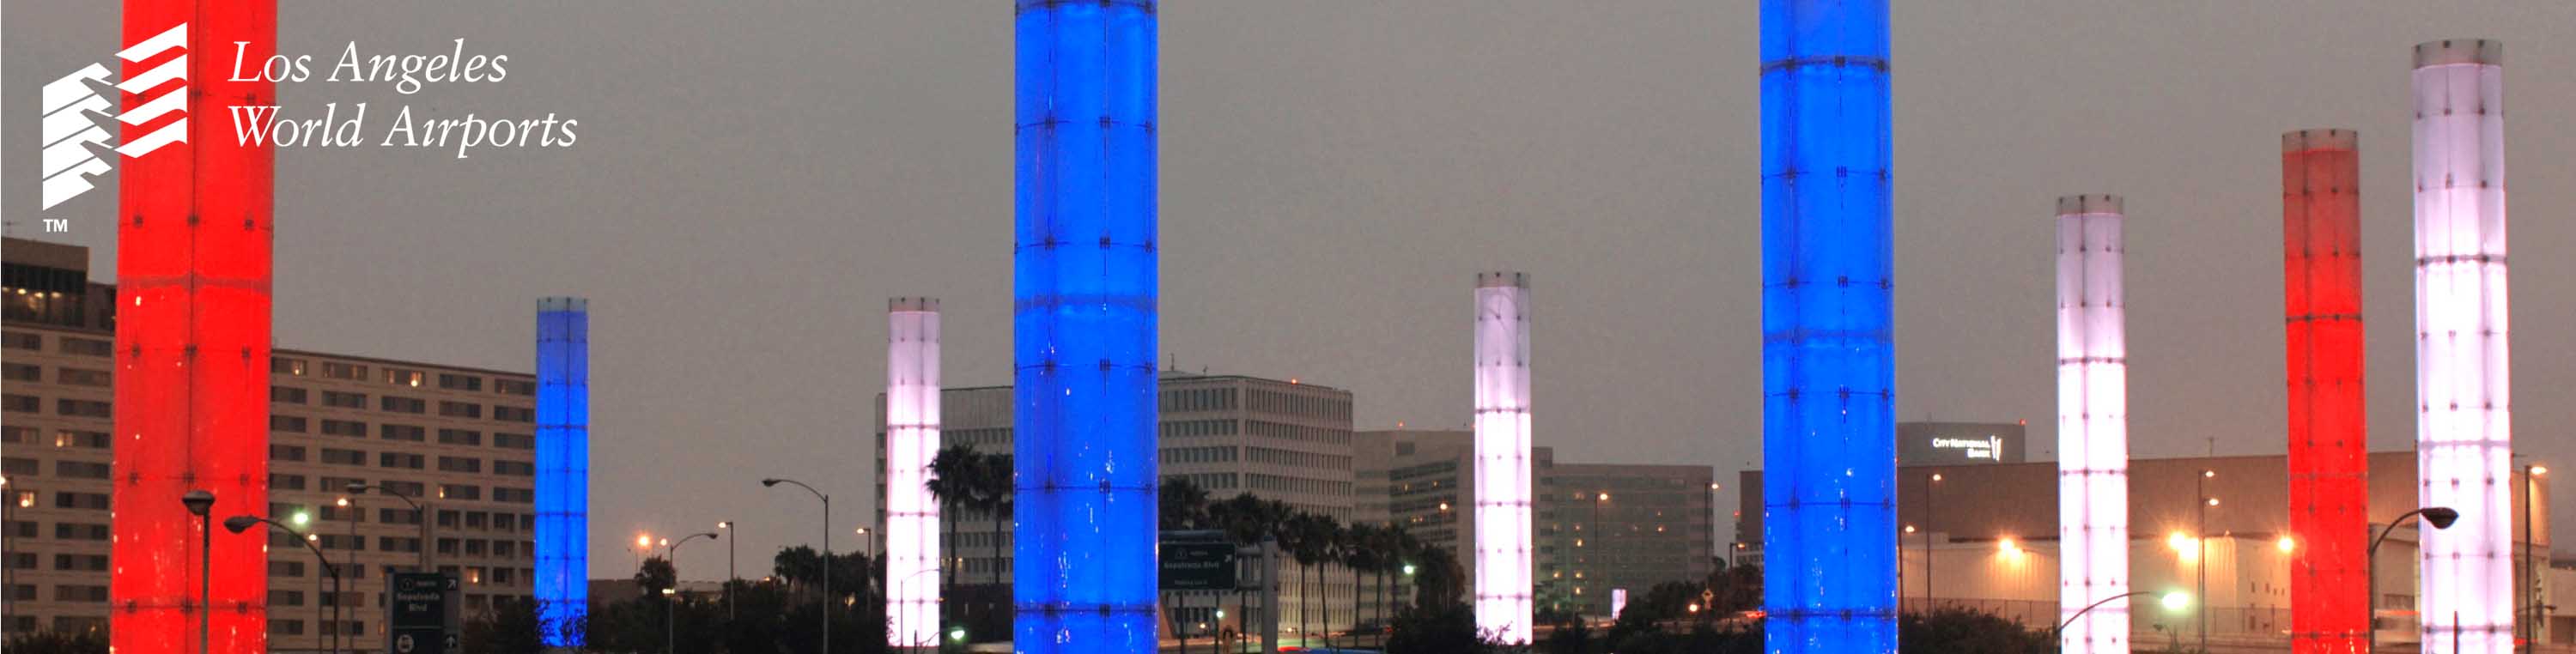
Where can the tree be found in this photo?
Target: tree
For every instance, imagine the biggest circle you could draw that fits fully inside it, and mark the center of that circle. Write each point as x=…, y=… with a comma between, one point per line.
x=1447, y=629
x=59, y=642
x=1966, y=631
x=1184, y=505
x=952, y=483
x=654, y=575
x=514, y=625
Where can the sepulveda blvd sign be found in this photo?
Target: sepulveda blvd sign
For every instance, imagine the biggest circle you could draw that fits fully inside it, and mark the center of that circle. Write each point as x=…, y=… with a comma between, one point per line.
x=1197, y=560
x=420, y=613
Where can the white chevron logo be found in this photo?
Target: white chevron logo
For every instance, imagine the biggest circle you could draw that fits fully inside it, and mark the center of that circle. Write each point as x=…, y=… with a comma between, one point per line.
x=70, y=131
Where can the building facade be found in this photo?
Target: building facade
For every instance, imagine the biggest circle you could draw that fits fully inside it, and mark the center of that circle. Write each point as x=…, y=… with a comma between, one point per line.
x=1961, y=443
x=1608, y=527
x=458, y=441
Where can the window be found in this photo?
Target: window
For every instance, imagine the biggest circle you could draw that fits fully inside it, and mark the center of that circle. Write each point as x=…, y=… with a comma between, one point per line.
x=81, y=562
x=25, y=499
x=401, y=377
x=288, y=424
x=513, y=468
x=340, y=482
x=344, y=400
x=285, y=452
x=402, y=516
x=401, y=460
x=286, y=568
x=285, y=482
x=514, y=441
x=286, y=366
x=284, y=598
x=348, y=371
x=83, y=377
x=460, y=409
x=344, y=428
x=80, y=531
x=73, y=593
x=24, y=341
x=286, y=395
x=80, y=469
x=456, y=492
x=456, y=382
x=402, y=404
x=19, y=529
x=68, y=500
x=460, y=437
x=22, y=560
x=513, y=413
x=19, y=466
x=411, y=489
x=338, y=456
x=17, y=434
x=22, y=403
x=88, y=346
x=459, y=464
x=413, y=433
x=476, y=519
x=84, y=408
x=27, y=372
x=508, y=494
x=515, y=387
x=96, y=440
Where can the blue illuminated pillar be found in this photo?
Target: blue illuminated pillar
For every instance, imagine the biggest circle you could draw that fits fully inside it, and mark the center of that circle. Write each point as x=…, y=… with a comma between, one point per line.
x=1083, y=327
x=1828, y=365
x=563, y=467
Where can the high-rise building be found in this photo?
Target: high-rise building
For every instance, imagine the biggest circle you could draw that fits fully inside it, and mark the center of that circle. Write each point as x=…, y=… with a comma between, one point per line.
x=1607, y=527
x=458, y=441
x=1280, y=440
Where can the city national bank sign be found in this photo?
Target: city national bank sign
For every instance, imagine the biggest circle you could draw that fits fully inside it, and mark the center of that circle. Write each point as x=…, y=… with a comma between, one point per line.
x=1991, y=448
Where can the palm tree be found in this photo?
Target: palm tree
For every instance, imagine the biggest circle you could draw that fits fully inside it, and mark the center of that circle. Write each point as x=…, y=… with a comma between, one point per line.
x=993, y=494
x=1362, y=555
x=1184, y=505
x=952, y=473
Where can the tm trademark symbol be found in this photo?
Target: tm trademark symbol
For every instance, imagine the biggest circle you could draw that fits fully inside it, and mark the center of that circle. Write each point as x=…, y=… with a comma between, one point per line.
x=57, y=225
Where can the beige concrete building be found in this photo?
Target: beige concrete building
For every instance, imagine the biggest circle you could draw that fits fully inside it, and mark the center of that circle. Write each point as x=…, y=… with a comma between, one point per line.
x=1991, y=533
x=456, y=440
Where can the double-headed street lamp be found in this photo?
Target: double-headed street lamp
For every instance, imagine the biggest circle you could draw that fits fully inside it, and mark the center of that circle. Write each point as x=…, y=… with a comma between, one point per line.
x=2440, y=517
x=238, y=524
x=827, y=552
x=670, y=596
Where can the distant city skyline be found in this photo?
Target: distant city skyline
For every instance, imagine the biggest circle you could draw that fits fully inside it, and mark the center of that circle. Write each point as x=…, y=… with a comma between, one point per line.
x=1333, y=175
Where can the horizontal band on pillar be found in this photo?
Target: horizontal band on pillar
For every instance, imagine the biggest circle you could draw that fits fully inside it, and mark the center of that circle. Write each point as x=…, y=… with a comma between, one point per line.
x=1834, y=61
x=2446, y=52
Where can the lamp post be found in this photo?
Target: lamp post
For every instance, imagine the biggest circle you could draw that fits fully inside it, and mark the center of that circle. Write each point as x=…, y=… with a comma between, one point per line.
x=199, y=502
x=730, y=577
x=2441, y=517
x=2057, y=634
x=904, y=616
x=2531, y=474
x=238, y=524
x=2200, y=543
x=1929, y=483
x=1594, y=539
x=827, y=553
x=670, y=609
x=351, y=547
x=357, y=488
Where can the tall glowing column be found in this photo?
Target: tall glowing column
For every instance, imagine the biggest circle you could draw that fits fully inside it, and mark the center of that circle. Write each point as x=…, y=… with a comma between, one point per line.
x=2321, y=297
x=1503, y=598
x=2092, y=425
x=1828, y=358
x=912, y=439
x=193, y=269
x=563, y=467
x=1083, y=331
x=2464, y=431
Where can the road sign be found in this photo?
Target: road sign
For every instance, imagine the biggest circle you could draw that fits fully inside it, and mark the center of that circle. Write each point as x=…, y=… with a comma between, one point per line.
x=1197, y=565
x=420, y=613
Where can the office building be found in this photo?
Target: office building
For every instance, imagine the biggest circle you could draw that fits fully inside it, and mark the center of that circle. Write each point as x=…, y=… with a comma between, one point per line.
x=457, y=440
x=1961, y=443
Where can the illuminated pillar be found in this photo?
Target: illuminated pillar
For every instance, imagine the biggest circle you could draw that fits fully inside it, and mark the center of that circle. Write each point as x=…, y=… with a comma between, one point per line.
x=2464, y=432
x=2321, y=298
x=912, y=439
x=1503, y=599
x=2092, y=425
x=1083, y=331
x=194, y=242
x=563, y=467
x=1828, y=360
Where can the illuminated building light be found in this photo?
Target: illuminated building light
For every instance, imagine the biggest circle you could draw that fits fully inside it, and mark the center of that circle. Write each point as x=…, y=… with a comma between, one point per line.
x=1504, y=599
x=563, y=469
x=1084, y=327
x=2286, y=545
x=1829, y=366
x=2092, y=425
x=195, y=238
x=2321, y=302
x=912, y=440
x=2463, y=430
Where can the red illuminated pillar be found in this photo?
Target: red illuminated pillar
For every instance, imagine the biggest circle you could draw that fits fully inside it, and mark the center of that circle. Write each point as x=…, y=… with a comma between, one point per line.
x=2321, y=293
x=192, y=337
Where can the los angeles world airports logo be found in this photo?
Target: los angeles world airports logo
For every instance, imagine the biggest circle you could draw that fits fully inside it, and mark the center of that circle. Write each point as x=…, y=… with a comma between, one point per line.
x=70, y=131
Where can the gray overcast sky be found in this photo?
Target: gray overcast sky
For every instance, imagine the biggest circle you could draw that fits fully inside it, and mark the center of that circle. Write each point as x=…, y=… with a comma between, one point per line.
x=753, y=179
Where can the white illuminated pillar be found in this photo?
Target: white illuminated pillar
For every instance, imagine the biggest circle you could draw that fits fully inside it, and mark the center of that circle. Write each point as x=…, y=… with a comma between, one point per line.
x=2463, y=433
x=1503, y=597
x=912, y=438
x=2092, y=424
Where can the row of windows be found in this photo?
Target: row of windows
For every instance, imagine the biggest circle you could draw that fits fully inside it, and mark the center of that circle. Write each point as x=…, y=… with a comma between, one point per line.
x=1299, y=459
x=25, y=435
x=1300, y=433
x=1198, y=454
x=1198, y=399
x=1337, y=408
x=70, y=344
x=393, y=432
x=1275, y=483
x=28, y=372
x=62, y=406
x=1184, y=428
x=399, y=376
x=71, y=562
x=973, y=437
x=1214, y=481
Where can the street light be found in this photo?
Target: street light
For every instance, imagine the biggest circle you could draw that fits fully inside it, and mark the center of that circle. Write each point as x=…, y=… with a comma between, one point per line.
x=1929, y=483
x=2200, y=545
x=827, y=552
x=2441, y=517
x=238, y=524
x=2174, y=601
x=356, y=488
x=2531, y=567
x=199, y=502
x=670, y=623
x=727, y=525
